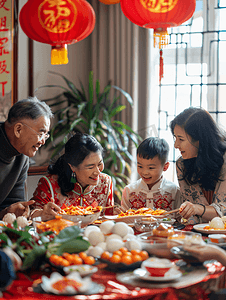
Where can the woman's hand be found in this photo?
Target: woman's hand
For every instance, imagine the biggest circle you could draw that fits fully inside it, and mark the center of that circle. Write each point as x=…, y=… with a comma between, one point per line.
x=207, y=252
x=50, y=210
x=188, y=209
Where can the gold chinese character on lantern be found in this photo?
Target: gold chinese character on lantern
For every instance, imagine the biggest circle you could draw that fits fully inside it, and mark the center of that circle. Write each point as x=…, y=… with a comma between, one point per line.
x=159, y=6
x=57, y=16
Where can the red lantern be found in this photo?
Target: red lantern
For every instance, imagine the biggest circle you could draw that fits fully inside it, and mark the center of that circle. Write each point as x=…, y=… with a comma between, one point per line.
x=108, y=2
x=159, y=15
x=58, y=23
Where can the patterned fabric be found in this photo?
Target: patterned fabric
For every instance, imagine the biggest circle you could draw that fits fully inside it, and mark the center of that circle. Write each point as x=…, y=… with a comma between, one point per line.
x=94, y=195
x=164, y=194
x=194, y=193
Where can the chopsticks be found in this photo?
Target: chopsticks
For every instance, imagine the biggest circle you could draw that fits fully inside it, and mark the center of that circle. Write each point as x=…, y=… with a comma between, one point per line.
x=170, y=212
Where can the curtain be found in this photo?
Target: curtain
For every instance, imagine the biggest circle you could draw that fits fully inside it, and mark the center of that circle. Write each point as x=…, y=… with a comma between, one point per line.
x=120, y=54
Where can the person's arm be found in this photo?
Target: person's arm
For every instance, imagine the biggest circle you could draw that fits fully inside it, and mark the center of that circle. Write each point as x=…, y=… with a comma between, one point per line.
x=207, y=252
x=110, y=198
x=125, y=199
x=7, y=272
x=44, y=205
x=15, y=200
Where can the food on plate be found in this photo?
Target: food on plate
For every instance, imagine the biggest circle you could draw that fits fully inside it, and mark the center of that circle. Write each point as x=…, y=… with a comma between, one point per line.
x=79, y=210
x=142, y=212
x=9, y=218
x=71, y=284
x=55, y=225
x=163, y=230
x=123, y=255
x=216, y=223
x=67, y=259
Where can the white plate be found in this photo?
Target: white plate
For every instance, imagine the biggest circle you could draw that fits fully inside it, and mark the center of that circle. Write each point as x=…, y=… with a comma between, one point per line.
x=200, y=228
x=172, y=274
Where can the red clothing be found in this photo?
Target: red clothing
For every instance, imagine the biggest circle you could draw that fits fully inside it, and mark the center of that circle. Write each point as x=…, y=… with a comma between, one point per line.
x=100, y=194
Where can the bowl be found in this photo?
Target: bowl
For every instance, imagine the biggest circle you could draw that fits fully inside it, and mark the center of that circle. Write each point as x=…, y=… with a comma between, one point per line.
x=170, y=221
x=184, y=237
x=157, y=267
x=217, y=238
x=144, y=225
x=154, y=245
x=85, y=219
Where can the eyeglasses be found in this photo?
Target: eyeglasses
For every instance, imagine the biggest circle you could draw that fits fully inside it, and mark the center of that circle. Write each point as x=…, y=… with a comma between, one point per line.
x=41, y=136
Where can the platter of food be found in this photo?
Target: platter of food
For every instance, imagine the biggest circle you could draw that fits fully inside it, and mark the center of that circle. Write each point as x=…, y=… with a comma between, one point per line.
x=204, y=228
x=131, y=214
x=171, y=275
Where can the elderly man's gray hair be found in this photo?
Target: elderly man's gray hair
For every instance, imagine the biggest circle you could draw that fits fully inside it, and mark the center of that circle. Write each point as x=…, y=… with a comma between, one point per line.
x=30, y=108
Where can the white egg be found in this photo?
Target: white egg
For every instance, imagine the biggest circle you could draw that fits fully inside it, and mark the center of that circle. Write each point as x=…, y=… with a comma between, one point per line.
x=106, y=227
x=96, y=237
x=113, y=236
x=129, y=236
x=216, y=223
x=131, y=231
x=102, y=245
x=133, y=245
x=22, y=221
x=90, y=228
x=223, y=219
x=9, y=218
x=120, y=228
x=114, y=245
x=95, y=251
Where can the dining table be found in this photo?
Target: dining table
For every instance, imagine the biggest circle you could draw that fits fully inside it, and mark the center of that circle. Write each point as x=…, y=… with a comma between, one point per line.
x=196, y=282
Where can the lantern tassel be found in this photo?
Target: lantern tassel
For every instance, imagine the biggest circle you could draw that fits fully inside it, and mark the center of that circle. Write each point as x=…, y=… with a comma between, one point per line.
x=160, y=65
x=59, y=55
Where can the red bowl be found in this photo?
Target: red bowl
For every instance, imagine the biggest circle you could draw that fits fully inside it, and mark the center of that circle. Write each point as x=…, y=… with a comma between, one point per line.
x=157, y=272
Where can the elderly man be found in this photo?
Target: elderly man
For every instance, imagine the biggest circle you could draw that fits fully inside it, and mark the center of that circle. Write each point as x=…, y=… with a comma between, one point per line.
x=21, y=135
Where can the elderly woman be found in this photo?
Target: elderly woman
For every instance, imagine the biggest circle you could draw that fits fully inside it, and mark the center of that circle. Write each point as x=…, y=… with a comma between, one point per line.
x=75, y=179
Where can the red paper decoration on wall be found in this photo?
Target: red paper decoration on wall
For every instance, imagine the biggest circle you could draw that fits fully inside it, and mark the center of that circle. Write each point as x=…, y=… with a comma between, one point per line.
x=159, y=15
x=58, y=23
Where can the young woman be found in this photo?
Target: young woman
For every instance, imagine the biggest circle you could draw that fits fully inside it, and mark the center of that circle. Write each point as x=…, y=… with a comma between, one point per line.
x=201, y=169
x=75, y=179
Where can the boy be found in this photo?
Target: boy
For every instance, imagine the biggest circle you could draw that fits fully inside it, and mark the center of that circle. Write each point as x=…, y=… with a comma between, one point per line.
x=152, y=189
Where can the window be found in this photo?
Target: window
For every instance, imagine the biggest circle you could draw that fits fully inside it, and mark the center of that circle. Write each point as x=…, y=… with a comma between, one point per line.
x=194, y=71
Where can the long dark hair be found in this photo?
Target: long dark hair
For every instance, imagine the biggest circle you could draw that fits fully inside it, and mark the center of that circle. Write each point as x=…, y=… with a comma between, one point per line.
x=205, y=168
x=77, y=149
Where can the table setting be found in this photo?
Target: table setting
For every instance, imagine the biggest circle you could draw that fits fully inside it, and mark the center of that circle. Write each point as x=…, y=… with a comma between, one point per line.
x=109, y=260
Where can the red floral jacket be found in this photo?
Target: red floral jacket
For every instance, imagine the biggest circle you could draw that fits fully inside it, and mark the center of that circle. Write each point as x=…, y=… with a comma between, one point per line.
x=94, y=195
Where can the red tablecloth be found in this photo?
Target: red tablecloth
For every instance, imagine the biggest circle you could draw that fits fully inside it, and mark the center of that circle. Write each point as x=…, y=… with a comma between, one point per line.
x=115, y=290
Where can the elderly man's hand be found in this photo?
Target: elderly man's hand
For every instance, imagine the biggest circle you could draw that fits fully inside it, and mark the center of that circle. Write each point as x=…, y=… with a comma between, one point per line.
x=20, y=208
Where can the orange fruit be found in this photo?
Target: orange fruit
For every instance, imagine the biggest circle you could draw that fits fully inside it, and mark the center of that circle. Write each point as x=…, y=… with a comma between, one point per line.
x=105, y=255
x=115, y=258
x=118, y=253
x=144, y=254
x=83, y=255
x=76, y=260
x=89, y=260
x=126, y=259
x=136, y=257
x=135, y=252
x=123, y=249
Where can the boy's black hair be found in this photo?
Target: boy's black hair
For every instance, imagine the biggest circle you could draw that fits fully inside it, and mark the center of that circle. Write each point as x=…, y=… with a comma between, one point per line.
x=153, y=146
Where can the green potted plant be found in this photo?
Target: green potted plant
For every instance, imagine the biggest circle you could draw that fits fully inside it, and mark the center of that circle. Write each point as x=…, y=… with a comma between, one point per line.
x=96, y=115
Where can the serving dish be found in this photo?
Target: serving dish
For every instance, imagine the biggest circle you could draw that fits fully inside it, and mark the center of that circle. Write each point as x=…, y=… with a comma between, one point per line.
x=127, y=219
x=200, y=228
x=154, y=245
x=85, y=219
x=83, y=270
x=118, y=267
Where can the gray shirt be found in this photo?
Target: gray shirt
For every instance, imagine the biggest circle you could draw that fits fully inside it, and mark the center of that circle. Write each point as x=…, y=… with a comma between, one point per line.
x=13, y=172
